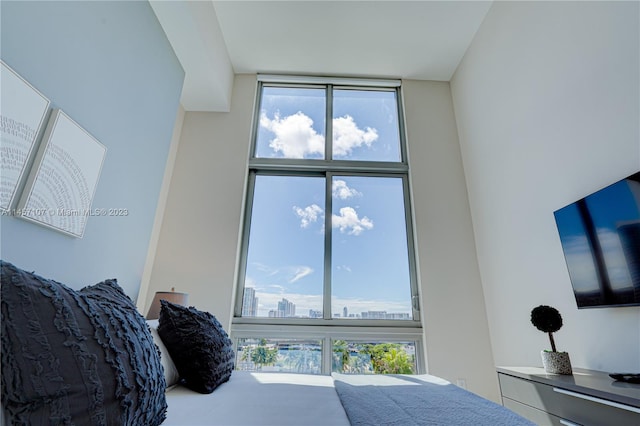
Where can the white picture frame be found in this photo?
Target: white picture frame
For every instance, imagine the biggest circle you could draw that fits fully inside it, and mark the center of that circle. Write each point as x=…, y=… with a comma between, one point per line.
x=64, y=177
x=23, y=110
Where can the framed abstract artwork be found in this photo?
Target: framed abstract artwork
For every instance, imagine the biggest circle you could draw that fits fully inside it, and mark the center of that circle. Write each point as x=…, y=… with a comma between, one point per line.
x=64, y=177
x=23, y=111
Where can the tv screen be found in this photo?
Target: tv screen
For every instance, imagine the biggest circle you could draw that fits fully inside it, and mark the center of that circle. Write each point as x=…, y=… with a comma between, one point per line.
x=600, y=236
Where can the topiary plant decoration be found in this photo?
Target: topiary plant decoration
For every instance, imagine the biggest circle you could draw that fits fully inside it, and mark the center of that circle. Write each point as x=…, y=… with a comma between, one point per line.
x=547, y=319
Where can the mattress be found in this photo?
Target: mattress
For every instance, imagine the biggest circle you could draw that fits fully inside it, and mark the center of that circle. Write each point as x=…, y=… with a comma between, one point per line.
x=256, y=399
x=251, y=398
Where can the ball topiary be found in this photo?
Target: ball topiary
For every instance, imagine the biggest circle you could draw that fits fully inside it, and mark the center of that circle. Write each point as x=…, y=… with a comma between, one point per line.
x=547, y=319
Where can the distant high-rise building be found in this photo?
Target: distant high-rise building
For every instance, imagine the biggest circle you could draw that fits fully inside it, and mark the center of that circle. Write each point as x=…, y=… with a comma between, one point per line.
x=384, y=315
x=286, y=309
x=345, y=312
x=315, y=314
x=249, y=302
x=374, y=315
x=400, y=316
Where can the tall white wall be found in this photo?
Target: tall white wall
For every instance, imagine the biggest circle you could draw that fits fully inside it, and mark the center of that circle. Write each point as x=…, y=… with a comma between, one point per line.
x=197, y=246
x=454, y=318
x=547, y=105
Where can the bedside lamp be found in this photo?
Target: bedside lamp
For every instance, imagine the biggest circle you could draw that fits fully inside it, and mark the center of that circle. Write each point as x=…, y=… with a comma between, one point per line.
x=169, y=296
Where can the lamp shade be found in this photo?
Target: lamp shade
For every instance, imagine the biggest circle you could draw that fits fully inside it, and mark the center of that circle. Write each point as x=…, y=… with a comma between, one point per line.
x=169, y=296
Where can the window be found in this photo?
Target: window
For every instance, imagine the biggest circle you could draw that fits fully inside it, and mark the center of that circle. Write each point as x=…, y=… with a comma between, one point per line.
x=281, y=355
x=327, y=244
x=374, y=357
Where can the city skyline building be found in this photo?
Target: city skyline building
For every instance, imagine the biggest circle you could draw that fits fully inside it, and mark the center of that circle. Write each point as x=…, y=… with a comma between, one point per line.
x=249, y=302
x=287, y=308
x=315, y=313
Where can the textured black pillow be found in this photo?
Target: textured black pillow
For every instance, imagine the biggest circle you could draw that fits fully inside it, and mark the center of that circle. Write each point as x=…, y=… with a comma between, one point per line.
x=198, y=345
x=76, y=357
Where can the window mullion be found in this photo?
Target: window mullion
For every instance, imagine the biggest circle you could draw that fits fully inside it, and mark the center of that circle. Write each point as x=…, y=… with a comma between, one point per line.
x=415, y=293
x=401, y=126
x=244, y=247
x=327, y=354
x=328, y=140
x=326, y=307
x=326, y=299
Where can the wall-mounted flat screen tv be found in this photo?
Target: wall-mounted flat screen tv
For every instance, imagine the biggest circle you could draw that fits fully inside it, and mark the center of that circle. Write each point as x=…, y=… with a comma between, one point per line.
x=600, y=236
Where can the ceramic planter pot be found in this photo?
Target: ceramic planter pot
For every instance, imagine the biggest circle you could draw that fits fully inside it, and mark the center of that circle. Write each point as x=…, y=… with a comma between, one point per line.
x=556, y=362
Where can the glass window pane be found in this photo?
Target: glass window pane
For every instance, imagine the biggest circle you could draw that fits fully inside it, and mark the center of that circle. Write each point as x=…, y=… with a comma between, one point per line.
x=369, y=255
x=282, y=355
x=291, y=123
x=374, y=357
x=285, y=258
x=365, y=125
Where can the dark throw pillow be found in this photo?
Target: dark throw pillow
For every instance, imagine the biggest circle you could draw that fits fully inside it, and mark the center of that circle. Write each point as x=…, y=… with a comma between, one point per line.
x=198, y=345
x=76, y=357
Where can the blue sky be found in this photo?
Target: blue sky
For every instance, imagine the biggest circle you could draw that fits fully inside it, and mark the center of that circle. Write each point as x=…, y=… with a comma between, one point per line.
x=369, y=247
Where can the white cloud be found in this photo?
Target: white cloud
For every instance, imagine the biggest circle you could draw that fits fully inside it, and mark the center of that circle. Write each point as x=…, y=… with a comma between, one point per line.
x=264, y=268
x=347, y=135
x=279, y=289
x=301, y=272
x=295, y=136
x=348, y=221
x=341, y=190
x=308, y=214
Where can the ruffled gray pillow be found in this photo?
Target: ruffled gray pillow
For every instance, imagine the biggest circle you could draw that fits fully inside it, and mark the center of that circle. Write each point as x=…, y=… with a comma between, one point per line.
x=76, y=357
x=198, y=345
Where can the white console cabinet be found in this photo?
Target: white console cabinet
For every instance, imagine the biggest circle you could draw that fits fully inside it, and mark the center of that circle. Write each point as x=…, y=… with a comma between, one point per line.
x=585, y=398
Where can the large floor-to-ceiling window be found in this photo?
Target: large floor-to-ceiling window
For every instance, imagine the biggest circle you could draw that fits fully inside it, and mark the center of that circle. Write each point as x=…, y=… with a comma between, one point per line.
x=327, y=278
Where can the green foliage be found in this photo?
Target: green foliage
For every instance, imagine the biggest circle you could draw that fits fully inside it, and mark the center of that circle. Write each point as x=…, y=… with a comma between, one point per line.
x=301, y=360
x=341, y=356
x=382, y=358
x=389, y=358
x=261, y=354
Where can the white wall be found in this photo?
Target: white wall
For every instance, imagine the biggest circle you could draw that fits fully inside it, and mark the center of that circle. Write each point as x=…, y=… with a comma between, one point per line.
x=160, y=209
x=454, y=318
x=110, y=67
x=199, y=237
x=547, y=105
x=198, y=240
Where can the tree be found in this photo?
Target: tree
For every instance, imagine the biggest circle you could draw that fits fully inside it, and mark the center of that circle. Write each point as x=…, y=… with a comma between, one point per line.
x=302, y=359
x=341, y=356
x=261, y=354
x=389, y=358
x=397, y=361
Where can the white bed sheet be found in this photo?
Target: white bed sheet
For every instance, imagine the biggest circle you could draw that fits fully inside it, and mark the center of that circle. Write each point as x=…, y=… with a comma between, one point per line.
x=259, y=399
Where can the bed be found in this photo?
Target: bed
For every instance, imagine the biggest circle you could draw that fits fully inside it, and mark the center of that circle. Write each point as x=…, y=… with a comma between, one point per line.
x=254, y=398
x=88, y=357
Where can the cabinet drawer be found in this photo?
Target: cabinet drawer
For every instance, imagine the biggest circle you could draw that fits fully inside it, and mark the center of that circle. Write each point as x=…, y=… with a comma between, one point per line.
x=539, y=417
x=571, y=406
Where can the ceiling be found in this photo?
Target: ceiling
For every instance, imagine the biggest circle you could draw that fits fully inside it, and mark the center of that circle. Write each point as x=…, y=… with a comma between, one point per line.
x=214, y=40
